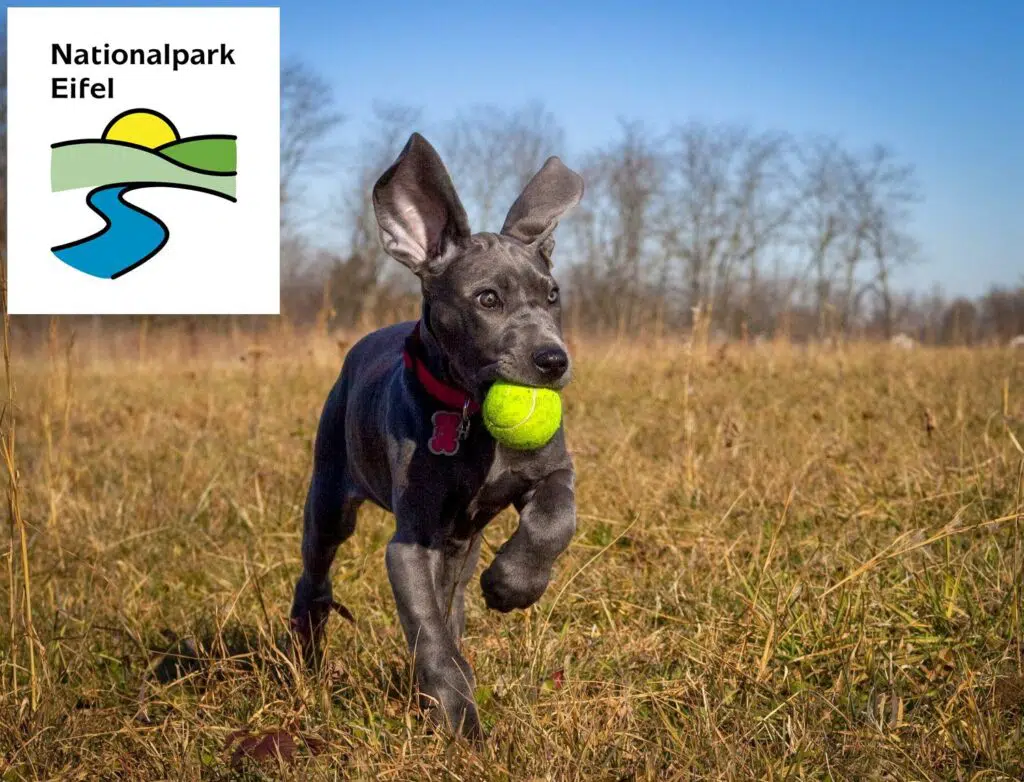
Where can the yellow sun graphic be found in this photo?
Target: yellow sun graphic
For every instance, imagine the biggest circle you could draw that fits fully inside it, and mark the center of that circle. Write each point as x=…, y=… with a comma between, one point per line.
x=143, y=128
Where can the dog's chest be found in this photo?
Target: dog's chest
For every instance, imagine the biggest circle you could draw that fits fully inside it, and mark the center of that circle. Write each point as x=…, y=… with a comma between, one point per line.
x=499, y=482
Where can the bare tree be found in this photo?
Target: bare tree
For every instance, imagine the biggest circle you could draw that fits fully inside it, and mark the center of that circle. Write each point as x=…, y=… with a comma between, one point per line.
x=533, y=135
x=308, y=117
x=633, y=177
x=359, y=276
x=614, y=227
x=726, y=204
x=492, y=154
x=853, y=209
x=762, y=206
x=857, y=215
x=474, y=151
x=820, y=219
x=894, y=190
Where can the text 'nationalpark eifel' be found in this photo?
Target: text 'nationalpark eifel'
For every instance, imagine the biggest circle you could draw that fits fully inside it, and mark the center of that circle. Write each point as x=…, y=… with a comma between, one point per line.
x=167, y=56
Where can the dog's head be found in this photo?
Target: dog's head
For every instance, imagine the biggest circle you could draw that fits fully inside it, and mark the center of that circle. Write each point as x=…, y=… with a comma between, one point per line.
x=490, y=299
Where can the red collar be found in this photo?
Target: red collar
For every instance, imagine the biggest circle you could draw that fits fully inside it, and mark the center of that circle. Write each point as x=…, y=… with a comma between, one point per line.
x=450, y=396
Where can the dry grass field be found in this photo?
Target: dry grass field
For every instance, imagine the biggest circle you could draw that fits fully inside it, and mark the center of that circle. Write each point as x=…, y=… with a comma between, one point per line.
x=790, y=564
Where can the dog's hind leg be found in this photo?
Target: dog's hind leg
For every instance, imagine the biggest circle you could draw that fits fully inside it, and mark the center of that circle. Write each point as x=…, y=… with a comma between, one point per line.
x=329, y=519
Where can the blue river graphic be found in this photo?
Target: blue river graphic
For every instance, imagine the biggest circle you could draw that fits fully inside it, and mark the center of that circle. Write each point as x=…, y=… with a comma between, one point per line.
x=131, y=237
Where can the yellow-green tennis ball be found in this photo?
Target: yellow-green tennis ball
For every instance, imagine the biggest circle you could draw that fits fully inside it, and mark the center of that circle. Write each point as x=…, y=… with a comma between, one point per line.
x=522, y=417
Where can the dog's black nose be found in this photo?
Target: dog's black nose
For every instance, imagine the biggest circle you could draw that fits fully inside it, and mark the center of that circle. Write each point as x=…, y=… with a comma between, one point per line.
x=551, y=361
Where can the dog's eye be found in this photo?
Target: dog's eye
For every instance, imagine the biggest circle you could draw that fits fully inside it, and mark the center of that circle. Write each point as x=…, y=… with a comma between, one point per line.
x=553, y=296
x=488, y=300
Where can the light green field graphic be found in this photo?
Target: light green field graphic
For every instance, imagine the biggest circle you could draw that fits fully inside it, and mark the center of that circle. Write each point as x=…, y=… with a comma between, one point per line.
x=97, y=163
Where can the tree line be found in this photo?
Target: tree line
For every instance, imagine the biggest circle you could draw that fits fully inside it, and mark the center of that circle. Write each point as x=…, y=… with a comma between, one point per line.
x=756, y=231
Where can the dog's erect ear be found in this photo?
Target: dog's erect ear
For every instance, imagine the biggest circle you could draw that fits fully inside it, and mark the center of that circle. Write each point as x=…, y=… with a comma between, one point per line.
x=418, y=211
x=552, y=192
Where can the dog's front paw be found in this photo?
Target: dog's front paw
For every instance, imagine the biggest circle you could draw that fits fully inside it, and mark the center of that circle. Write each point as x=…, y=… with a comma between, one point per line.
x=507, y=586
x=446, y=692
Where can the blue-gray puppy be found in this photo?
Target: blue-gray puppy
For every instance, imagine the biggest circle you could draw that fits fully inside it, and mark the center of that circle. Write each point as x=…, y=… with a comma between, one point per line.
x=401, y=426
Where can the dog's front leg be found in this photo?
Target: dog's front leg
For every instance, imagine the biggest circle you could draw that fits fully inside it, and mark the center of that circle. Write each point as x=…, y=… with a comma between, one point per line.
x=442, y=673
x=521, y=569
x=460, y=560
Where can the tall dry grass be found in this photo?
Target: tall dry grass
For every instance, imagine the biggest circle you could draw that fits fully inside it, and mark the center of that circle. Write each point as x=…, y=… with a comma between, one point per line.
x=790, y=563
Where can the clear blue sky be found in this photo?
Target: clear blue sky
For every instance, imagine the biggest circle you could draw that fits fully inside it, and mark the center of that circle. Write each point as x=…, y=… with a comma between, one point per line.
x=940, y=82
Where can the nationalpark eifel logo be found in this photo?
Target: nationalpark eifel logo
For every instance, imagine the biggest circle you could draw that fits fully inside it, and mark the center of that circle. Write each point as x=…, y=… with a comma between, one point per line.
x=130, y=193
x=138, y=148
